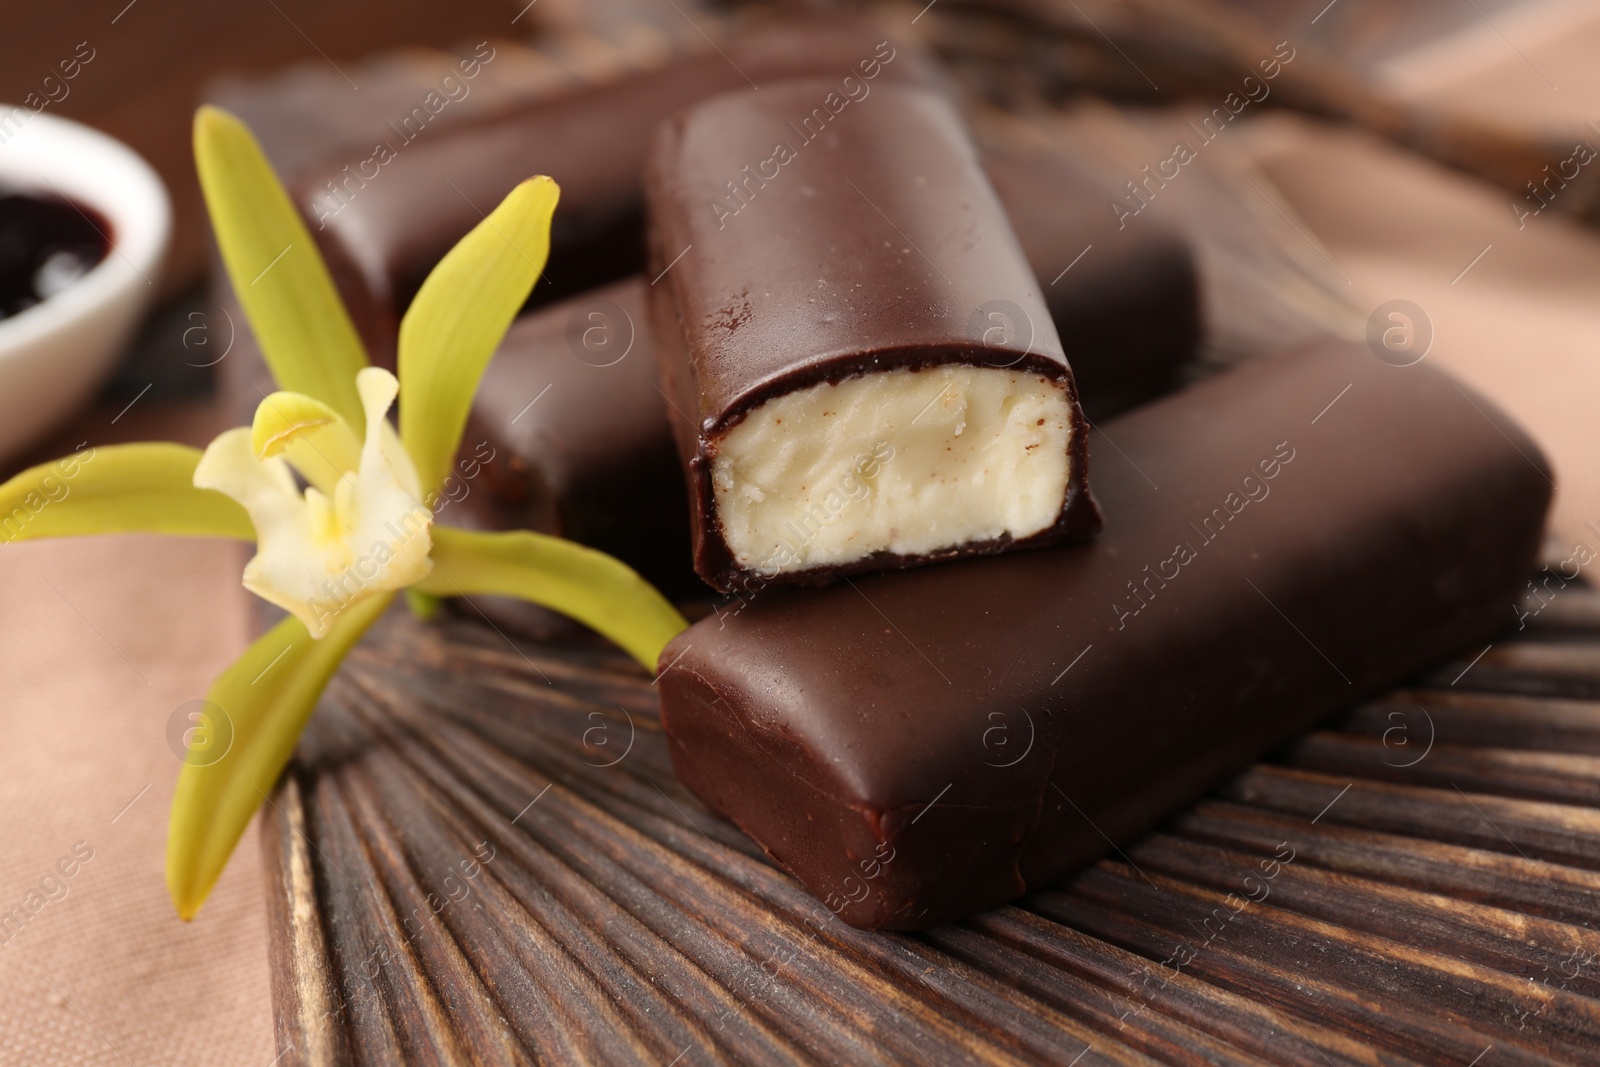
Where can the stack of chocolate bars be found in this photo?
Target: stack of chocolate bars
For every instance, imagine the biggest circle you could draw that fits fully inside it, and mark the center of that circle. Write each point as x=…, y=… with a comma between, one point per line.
x=967, y=640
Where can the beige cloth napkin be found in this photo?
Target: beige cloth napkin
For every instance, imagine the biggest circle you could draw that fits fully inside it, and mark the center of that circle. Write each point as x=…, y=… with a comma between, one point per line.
x=101, y=639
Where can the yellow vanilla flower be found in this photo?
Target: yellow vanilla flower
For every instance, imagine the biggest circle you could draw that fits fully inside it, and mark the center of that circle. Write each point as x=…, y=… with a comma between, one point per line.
x=334, y=554
x=334, y=546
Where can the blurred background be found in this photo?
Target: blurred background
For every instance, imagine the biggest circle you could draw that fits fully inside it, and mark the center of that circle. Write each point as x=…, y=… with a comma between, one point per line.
x=1430, y=155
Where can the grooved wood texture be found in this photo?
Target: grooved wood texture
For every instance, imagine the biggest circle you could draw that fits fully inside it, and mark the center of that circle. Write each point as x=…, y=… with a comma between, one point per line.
x=481, y=855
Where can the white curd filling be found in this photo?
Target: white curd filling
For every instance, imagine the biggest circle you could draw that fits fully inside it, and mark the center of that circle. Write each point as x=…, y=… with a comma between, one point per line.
x=902, y=461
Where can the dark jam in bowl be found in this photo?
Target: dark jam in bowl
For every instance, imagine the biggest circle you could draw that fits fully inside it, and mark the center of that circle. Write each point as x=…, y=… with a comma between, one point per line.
x=46, y=244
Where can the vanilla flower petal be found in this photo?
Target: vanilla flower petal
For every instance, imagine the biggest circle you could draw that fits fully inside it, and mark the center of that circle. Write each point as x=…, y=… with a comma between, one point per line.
x=318, y=553
x=294, y=310
x=314, y=438
x=145, y=488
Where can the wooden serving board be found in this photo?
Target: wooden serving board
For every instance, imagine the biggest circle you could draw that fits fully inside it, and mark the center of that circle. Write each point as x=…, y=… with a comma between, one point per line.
x=480, y=854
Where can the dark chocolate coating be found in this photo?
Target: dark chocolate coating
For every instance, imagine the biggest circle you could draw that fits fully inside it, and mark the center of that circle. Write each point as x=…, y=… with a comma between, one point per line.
x=879, y=245
x=584, y=449
x=923, y=744
x=382, y=243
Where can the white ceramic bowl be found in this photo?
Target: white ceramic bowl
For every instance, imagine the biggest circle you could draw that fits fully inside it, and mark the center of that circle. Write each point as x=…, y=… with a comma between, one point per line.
x=54, y=355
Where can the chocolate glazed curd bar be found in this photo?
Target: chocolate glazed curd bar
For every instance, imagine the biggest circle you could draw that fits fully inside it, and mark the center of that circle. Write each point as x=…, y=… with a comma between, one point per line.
x=1281, y=541
x=863, y=372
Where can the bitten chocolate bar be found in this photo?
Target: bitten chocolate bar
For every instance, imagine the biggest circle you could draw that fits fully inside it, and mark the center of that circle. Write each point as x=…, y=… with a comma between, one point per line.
x=1282, y=541
x=863, y=372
